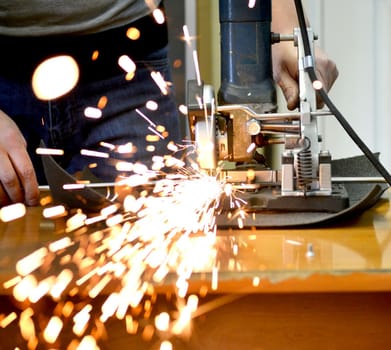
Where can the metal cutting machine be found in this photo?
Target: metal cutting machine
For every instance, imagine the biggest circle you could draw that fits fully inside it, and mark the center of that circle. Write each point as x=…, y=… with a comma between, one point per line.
x=240, y=135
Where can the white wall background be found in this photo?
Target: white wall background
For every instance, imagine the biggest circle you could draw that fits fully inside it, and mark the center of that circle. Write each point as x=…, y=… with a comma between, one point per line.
x=356, y=34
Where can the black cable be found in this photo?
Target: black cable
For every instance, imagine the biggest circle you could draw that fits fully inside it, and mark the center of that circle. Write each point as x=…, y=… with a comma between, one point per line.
x=333, y=109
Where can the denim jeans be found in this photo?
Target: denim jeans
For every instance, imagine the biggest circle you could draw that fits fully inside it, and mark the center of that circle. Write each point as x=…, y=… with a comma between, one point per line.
x=61, y=123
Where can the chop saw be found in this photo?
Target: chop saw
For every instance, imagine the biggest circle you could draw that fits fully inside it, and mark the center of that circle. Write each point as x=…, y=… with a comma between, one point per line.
x=239, y=133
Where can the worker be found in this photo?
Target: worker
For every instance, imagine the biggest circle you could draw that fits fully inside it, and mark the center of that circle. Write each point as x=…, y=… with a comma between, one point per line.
x=38, y=29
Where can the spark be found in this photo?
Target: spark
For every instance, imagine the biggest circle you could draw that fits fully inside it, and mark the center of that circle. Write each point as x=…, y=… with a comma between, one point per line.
x=53, y=329
x=90, y=153
x=93, y=113
x=76, y=186
x=160, y=82
x=8, y=319
x=197, y=67
x=12, y=212
x=76, y=221
x=88, y=343
x=151, y=105
x=110, y=146
x=127, y=64
x=153, y=138
x=162, y=321
x=188, y=40
x=56, y=211
x=55, y=77
x=256, y=281
x=49, y=151
x=251, y=147
x=317, y=84
x=251, y=3
x=177, y=63
x=172, y=147
x=183, y=109
x=102, y=102
x=95, y=55
x=186, y=36
x=31, y=262
x=126, y=148
x=159, y=16
x=12, y=282
x=293, y=242
x=60, y=244
x=131, y=325
x=214, y=278
x=166, y=345
x=133, y=33
x=141, y=114
x=167, y=229
x=62, y=281
x=157, y=133
x=22, y=289
x=192, y=302
x=124, y=166
x=26, y=324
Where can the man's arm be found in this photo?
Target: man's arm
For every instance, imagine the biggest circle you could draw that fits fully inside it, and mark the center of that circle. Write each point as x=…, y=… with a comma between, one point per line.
x=285, y=70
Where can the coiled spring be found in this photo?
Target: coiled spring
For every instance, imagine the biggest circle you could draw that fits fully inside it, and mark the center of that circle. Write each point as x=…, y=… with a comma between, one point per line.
x=304, y=165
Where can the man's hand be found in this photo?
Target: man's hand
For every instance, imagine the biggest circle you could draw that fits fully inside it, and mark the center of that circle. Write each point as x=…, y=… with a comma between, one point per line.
x=285, y=65
x=286, y=74
x=18, y=182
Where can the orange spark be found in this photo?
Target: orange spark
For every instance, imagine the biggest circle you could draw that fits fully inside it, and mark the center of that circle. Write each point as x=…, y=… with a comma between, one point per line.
x=133, y=33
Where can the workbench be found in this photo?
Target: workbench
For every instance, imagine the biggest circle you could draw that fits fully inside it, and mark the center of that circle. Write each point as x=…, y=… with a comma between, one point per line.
x=292, y=288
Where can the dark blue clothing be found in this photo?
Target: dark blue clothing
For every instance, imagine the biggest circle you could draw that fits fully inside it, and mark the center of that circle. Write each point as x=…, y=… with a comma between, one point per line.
x=61, y=123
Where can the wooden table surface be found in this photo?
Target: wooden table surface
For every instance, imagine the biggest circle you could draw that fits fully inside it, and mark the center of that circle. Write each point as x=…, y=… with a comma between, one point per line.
x=315, y=287
x=351, y=256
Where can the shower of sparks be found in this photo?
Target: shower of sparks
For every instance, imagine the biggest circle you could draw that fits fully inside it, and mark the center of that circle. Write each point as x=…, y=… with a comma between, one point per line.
x=162, y=232
x=162, y=235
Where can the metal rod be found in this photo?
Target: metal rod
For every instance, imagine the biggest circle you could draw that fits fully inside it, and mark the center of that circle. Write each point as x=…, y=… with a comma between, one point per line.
x=82, y=185
x=363, y=179
x=358, y=179
x=268, y=116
